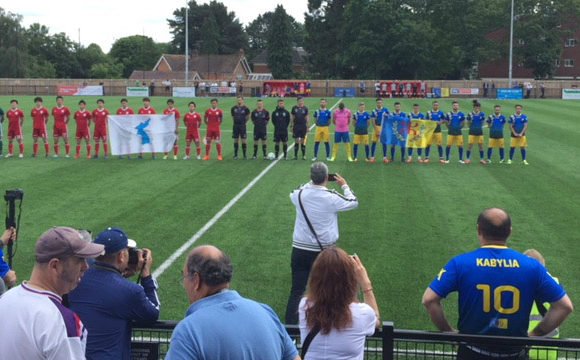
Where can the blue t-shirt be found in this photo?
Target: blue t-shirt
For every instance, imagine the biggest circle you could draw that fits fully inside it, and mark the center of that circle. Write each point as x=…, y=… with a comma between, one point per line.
x=418, y=116
x=323, y=117
x=4, y=267
x=455, y=121
x=225, y=326
x=361, y=123
x=496, y=126
x=436, y=116
x=497, y=287
x=476, y=123
x=379, y=115
x=518, y=122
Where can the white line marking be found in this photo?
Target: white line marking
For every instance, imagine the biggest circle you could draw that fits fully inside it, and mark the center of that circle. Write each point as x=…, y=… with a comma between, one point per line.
x=183, y=248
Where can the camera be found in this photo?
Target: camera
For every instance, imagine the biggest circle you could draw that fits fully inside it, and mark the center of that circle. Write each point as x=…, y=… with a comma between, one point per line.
x=134, y=255
x=13, y=195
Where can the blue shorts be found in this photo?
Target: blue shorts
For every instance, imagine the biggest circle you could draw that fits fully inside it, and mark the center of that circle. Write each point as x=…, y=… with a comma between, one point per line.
x=341, y=137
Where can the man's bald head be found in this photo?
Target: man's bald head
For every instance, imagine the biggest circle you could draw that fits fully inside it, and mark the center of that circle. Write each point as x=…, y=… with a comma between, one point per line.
x=212, y=265
x=494, y=225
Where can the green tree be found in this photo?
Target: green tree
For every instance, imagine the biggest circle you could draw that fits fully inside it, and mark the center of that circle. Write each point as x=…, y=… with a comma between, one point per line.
x=135, y=52
x=280, y=44
x=228, y=32
x=210, y=42
x=14, y=59
x=106, y=70
x=89, y=56
x=257, y=32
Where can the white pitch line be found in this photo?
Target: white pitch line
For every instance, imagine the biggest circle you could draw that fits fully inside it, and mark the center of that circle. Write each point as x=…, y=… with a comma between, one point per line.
x=183, y=248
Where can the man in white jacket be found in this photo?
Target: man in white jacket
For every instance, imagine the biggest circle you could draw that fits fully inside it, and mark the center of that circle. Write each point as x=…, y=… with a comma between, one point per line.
x=316, y=227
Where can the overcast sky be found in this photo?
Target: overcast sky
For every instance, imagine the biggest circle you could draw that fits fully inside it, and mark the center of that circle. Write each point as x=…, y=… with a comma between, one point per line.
x=104, y=21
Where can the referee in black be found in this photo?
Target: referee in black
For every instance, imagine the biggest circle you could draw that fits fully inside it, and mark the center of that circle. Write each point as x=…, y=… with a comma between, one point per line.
x=260, y=118
x=300, y=127
x=240, y=114
x=281, y=121
x=315, y=228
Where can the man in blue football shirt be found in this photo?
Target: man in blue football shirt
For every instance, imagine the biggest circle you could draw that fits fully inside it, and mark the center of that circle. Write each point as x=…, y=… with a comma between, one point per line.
x=416, y=115
x=378, y=116
x=518, y=124
x=438, y=116
x=476, y=120
x=395, y=131
x=361, y=131
x=497, y=287
x=455, y=121
x=322, y=117
x=496, y=124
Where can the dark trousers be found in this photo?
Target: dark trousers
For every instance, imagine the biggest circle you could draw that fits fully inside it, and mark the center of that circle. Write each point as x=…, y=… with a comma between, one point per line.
x=465, y=353
x=301, y=263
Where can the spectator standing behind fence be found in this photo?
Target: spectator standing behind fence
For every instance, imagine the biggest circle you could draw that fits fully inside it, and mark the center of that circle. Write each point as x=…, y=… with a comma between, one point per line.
x=540, y=310
x=497, y=287
x=107, y=303
x=220, y=324
x=315, y=228
x=35, y=324
x=332, y=321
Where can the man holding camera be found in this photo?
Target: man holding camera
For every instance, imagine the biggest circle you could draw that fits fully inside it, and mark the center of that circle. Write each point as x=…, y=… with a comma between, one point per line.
x=316, y=227
x=107, y=303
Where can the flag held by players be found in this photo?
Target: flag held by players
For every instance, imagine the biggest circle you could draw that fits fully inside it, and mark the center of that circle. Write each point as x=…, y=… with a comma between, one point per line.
x=133, y=134
x=420, y=133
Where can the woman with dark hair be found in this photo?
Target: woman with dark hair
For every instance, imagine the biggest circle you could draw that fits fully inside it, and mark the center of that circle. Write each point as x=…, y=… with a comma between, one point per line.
x=332, y=311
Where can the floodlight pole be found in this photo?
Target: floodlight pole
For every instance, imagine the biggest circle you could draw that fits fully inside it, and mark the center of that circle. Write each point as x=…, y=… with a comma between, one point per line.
x=186, y=46
x=511, y=64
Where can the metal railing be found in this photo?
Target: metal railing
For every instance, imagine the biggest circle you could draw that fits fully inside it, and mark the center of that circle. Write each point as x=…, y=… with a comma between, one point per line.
x=152, y=343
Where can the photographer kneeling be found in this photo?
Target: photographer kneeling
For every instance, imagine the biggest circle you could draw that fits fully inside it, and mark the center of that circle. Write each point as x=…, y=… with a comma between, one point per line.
x=108, y=304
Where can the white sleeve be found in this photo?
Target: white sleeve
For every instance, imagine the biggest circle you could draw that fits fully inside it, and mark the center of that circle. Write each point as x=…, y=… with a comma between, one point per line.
x=345, y=202
x=367, y=318
x=58, y=345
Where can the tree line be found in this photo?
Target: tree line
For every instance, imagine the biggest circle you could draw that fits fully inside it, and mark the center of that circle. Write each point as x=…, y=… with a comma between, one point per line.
x=344, y=39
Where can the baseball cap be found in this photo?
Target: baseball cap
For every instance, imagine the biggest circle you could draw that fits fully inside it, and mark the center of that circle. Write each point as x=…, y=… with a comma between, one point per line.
x=60, y=242
x=114, y=240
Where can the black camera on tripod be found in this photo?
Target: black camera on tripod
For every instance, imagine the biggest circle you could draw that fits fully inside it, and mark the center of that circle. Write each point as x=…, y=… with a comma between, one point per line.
x=13, y=220
x=13, y=195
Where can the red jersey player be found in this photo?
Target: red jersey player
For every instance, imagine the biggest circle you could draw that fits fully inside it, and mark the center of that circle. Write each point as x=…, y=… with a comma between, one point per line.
x=61, y=115
x=39, y=120
x=15, y=120
x=125, y=109
x=147, y=110
x=213, y=118
x=100, y=116
x=172, y=110
x=192, y=122
x=83, y=118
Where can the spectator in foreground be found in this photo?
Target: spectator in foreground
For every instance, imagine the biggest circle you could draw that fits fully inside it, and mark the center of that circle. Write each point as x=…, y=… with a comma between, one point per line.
x=540, y=310
x=35, y=324
x=107, y=303
x=497, y=287
x=220, y=324
x=315, y=228
x=332, y=320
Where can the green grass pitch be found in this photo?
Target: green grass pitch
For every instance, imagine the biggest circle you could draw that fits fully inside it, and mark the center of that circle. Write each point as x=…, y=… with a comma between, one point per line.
x=412, y=218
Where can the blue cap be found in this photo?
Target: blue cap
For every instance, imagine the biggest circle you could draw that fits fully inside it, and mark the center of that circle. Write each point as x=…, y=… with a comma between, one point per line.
x=114, y=240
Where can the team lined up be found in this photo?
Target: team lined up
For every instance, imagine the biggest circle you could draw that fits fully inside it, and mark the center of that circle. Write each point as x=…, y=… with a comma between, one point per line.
x=297, y=120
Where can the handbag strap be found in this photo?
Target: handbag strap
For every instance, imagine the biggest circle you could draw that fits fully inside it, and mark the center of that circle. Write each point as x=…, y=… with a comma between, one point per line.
x=306, y=344
x=308, y=220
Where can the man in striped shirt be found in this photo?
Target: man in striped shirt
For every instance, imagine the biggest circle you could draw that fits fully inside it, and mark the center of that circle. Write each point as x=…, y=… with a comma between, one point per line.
x=316, y=227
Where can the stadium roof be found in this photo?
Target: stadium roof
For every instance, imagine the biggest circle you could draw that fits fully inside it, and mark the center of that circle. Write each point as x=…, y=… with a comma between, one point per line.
x=298, y=57
x=207, y=66
x=157, y=75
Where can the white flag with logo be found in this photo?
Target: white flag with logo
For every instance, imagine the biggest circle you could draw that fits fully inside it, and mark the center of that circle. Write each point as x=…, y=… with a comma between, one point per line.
x=133, y=134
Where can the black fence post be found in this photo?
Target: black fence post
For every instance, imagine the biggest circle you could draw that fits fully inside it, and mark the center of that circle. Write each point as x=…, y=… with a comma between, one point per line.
x=388, y=340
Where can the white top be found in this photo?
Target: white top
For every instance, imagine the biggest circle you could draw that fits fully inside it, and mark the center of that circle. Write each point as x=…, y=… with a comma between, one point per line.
x=345, y=344
x=322, y=206
x=35, y=325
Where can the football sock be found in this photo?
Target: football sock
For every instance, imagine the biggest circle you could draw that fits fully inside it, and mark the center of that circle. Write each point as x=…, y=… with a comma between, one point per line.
x=523, y=150
x=97, y=149
x=89, y=149
x=468, y=156
x=502, y=153
x=56, y=149
x=277, y=150
x=316, y=147
x=21, y=146
x=285, y=149
x=384, y=150
x=67, y=149
x=236, y=147
x=460, y=153
x=348, y=150
x=244, y=149
x=255, y=150
x=447, y=152
x=355, y=150
x=35, y=149
x=334, y=150
x=188, y=150
x=481, y=156
x=264, y=149
x=198, y=150
x=327, y=148
x=10, y=148
x=419, y=151
x=367, y=151
x=1, y=146
x=489, y=153
x=410, y=151
x=373, y=149
x=303, y=148
x=402, y=154
x=393, y=152
x=47, y=148
x=106, y=148
x=78, y=150
x=219, y=149
x=440, y=150
x=427, y=151
x=296, y=146
x=207, y=149
x=512, y=152
x=175, y=150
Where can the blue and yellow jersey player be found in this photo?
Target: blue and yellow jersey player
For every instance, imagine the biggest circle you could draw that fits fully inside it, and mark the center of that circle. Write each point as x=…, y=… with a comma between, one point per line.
x=322, y=116
x=435, y=114
x=455, y=121
x=476, y=120
x=416, y=114
x=399, y=123
x=496, y=124
x=378, y=115
x=497, y=287
x=518, y=125
x=361, y=131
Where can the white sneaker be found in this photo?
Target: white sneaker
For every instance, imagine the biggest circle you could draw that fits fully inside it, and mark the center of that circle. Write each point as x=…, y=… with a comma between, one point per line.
x=329, y=159
x=165, y=157
x=509, y=162
x=198, y=157
x=9, y=155
x=525, y=162
x=461, y=162
x=21, y=156
x=314, y=159
x=55, y=156
x=174, y=157
x=67, y=156
x=186, y=157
